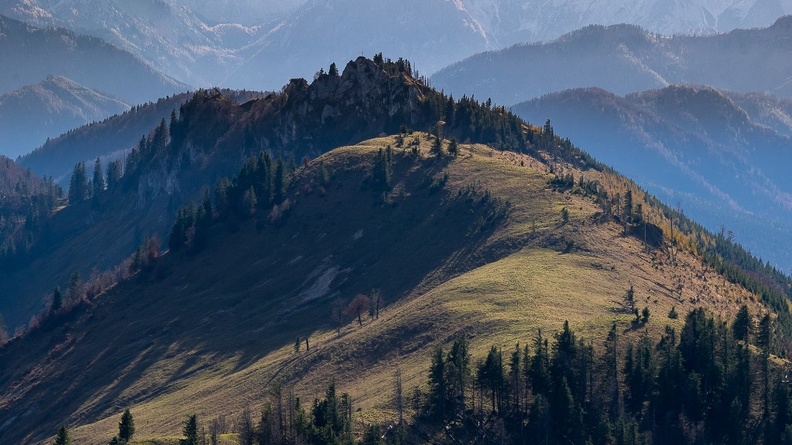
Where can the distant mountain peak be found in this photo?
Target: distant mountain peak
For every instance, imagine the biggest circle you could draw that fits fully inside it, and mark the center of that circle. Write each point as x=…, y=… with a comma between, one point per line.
x=33, y=113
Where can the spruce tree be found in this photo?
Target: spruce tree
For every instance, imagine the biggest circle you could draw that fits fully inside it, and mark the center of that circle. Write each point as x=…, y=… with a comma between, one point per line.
x=73, y=293
x=279, y=182
x=57, y=300
x=3, y=331
x=190, y=431
x=62, y=438
x=113, y=174
x=98, y=178
x=627, y=210
x=78, y=185
x=438, y=394
x=741, y=328
x=126, y=428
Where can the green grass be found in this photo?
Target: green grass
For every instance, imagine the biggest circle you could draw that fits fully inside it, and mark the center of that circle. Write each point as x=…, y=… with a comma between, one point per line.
x=209, y=333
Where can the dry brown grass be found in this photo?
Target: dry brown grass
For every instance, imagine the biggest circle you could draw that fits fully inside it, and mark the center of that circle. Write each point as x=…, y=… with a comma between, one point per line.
x=209, y=333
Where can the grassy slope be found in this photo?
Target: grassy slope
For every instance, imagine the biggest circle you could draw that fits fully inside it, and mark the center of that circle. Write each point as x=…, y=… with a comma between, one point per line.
x=208, y=333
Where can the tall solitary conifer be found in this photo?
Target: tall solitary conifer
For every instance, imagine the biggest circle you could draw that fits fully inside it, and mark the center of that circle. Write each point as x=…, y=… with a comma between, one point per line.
x=126, y=428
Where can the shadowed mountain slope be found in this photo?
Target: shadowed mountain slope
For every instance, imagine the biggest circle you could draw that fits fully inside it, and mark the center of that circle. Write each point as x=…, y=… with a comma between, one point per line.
x=486, y=254
x=693, y=145
x=490, y=241
x=34, y=113
x=32, y=54
x=625, y=59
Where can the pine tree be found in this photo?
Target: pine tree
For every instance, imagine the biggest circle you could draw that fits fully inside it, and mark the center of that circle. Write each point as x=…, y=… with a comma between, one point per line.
x=538, y=372
x=457, y=374
x=279, y=182
x=114, y=174
x=3, y=331
x=763, y=340
x=438, y=394
x=515, y=374
x=611, y=384
x=98, y=179
x=333, y=70
x=221, y=202
x=78, y=185
x=190, y=431
x=627, y=209
x=126, y=428
x=741, y=327
x=62, y=438
x=74, y=292
x=490, y=376
x=383, y=169
x=57, y=300
x=249, y=201
x=453, y=147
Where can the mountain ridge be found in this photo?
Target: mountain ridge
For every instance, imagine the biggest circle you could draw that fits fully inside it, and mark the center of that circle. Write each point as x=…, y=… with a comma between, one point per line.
x=501, y=223
x=34, y=113
x=625, y=59
x=713, y=152
x=41, y=52
x=464, y=284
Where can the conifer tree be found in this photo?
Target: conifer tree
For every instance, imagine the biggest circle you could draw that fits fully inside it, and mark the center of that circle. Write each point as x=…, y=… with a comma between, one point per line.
x=126, y=428
x=221, y=203
x=57, y=300
x=457, y=374
x=98, y=179
x=515, y=380
x=63, y=438
x=453, y=147
x=741, y=327
x=78, y=185
x=3, y=331
x=627, y=209
x=437, y=384
x=249, y=201
x=190, y=431
x=490, y=376
x=538, y=372
x=74, y=291
x=114, y=174
x=279, y=182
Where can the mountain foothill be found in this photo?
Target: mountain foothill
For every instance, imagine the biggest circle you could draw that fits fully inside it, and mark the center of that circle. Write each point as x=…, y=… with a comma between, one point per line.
x=333, y=241
x=574, y=240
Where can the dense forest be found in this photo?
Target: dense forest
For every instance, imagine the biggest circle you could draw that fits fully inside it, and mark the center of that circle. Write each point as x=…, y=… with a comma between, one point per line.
x=712, y=382
x=25, y=210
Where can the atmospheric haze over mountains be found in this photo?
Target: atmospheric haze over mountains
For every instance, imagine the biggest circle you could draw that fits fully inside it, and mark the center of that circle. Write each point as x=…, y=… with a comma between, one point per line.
x=192, y=190
x=260, y=44
x=77, y=61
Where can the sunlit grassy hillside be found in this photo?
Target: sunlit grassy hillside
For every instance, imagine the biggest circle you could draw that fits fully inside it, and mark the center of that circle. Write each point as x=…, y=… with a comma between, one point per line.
x=472, y=245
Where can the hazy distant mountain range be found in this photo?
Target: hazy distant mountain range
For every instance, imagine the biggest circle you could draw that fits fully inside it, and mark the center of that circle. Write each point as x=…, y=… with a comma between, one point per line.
x=260, y=44
x=33, y=113
x=627, y=58
x=289, y=40
x=722, y=156
x=31, y=54
x=512, y=21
